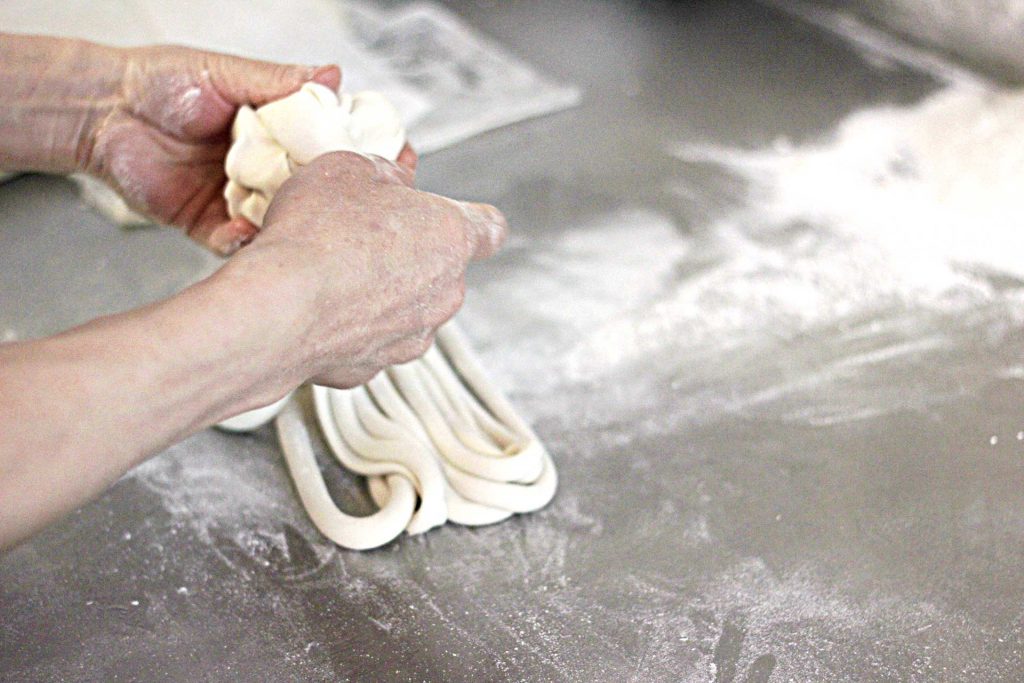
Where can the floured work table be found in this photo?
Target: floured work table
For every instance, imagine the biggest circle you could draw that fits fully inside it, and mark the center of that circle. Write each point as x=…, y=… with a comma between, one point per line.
x=780, y=459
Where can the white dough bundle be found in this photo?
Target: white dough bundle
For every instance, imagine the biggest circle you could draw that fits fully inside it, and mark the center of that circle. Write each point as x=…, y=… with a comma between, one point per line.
x=271, y=142
x=436, y=440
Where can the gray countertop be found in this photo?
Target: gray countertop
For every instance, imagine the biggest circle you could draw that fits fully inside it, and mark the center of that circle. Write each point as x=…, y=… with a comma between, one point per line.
x=744, y=496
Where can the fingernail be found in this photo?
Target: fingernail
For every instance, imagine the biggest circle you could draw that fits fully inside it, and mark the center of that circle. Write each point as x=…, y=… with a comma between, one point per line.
x=318, y=73
x=227, y=239
x=483, y=213
x=389, y=171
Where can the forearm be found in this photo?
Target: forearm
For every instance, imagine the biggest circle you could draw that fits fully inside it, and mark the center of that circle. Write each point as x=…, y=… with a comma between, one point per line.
x=81, y=408
x=56, y=91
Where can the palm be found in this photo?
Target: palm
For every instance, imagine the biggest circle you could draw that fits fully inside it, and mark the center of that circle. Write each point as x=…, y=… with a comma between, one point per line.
x=173, y=178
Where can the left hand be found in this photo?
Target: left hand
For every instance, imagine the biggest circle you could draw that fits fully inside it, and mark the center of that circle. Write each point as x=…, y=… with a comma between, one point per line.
x=162, y=145
x=153, y=122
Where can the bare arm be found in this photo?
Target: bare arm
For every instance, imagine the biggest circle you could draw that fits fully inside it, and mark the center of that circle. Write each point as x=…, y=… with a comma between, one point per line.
x=80, y=408
x=353, y=270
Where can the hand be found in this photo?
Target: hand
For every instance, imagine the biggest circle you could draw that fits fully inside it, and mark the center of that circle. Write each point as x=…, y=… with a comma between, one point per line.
x=163, y=142
x=153, y=122
x=371, y=265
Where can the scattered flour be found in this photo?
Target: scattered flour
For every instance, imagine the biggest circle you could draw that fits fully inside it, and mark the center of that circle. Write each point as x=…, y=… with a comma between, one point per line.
x=239, y=504
x=573, y=283
x=934, y=185
x=914, y=208
x=905, y=215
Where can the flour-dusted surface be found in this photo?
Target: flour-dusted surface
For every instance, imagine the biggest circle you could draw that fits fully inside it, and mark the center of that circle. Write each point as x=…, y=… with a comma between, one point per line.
x=791, y=442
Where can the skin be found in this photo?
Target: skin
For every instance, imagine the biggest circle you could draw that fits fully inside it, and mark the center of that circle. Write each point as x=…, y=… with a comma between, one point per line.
x=353, y=270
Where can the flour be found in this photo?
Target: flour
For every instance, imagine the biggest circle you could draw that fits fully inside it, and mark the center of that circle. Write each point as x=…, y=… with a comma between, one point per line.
x=240, y=506
x=884, y=246
x=573, y=283
x=916, y=208
x=934, y=186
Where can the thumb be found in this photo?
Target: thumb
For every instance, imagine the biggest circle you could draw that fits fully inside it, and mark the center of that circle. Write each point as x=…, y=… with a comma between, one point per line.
x=249, y=81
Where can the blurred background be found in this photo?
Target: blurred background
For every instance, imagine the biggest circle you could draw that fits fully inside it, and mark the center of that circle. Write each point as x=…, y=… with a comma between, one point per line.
x=987, y=34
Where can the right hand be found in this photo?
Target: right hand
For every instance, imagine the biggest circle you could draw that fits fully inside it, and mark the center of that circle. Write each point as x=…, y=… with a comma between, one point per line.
x=366, y=266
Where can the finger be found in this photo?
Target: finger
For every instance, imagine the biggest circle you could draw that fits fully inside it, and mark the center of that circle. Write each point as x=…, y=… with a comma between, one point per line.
x=486, y=228
x=249, y=81
x=377, y=168
x=408, y=158
x=224, y=237
x=328, y=76
x=392, y=172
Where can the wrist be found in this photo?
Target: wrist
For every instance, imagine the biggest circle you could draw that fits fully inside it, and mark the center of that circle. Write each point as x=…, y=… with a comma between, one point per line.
x=266, y=313
x=57, y=92
x=106, y=82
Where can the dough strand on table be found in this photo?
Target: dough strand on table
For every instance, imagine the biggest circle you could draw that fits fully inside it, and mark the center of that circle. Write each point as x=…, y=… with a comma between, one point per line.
x=357, y=533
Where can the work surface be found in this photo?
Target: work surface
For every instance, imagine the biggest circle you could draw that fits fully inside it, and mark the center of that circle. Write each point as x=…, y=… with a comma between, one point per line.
x=787, y=451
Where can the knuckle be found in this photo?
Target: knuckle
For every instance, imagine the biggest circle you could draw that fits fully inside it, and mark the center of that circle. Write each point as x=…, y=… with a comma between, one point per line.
x=410, y=349
x=285, y=74
x=341, y=162
x=455, y=227
x=424, y=343
x=419, y=346
x=361, y=376
x=331, y=159
x=366, y=376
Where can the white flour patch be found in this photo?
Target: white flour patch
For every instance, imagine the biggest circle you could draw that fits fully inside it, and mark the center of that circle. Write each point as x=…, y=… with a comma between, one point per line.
x=749, y=617
x=586, y=277
x=933, y=186
x=209, y=492
x=911, y=208
x=240, y=505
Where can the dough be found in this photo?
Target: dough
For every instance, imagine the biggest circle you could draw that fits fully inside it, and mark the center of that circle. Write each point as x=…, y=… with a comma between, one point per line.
x=107, y=201
x=274, y=140
x=254, y=419
x=436, y=439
